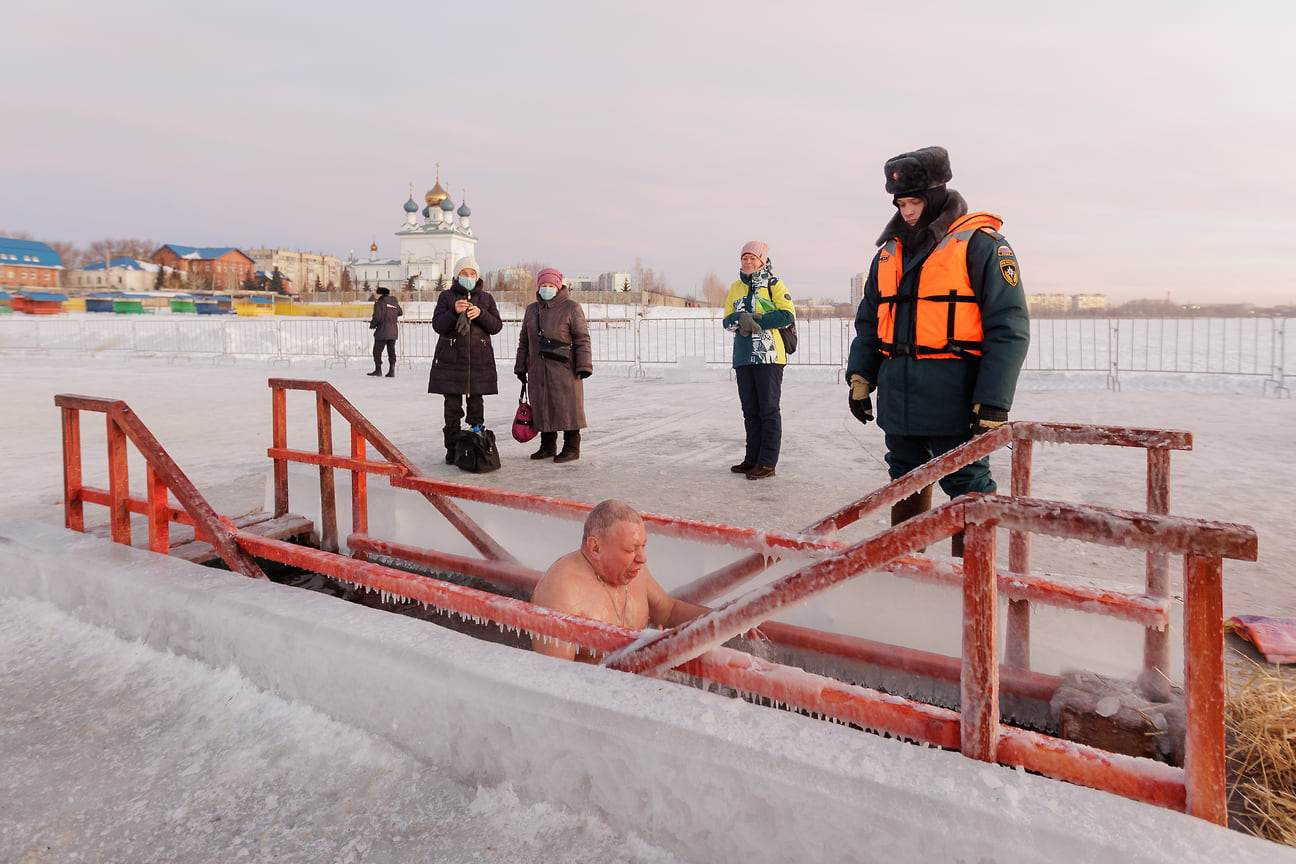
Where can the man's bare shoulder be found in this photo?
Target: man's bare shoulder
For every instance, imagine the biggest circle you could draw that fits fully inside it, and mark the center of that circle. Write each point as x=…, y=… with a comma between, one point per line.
x=562, y=586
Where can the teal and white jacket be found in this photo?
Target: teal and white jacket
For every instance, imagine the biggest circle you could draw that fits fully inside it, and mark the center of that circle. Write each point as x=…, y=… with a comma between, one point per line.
x=772, y=307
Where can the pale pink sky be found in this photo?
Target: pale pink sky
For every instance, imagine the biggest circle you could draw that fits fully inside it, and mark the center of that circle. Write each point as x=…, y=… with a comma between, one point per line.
x=1133, y=149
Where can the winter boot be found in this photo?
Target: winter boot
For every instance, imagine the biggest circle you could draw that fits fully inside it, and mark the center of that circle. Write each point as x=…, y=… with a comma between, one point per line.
x=914, y=505
x=450, y=438
x=377, y=371
x=391, y=370
x=548, y=446
x=571, y=447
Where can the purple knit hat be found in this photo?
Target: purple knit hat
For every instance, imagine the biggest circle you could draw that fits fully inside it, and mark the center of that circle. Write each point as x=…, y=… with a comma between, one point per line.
x=550, y=275
x=757, y=248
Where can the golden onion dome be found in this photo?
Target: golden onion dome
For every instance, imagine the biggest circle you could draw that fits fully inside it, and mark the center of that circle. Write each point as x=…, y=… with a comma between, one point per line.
x=436, y=195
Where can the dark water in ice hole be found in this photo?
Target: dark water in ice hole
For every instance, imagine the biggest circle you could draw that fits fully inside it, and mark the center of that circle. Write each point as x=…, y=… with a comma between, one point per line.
x=486, y=631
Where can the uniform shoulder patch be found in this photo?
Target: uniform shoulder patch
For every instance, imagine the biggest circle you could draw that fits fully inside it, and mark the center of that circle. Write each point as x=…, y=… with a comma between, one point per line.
x=1005, y=251
x=1008, y=267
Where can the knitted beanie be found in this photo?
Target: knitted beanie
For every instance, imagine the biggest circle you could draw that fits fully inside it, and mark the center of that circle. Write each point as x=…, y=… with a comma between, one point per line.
x=466, y=263
x=550, y=275
x=757, y=248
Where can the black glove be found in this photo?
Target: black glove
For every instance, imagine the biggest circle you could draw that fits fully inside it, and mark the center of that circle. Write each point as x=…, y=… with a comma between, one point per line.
x=521, y=376
x=986, y=418
x=861, y=404
x=584, y=373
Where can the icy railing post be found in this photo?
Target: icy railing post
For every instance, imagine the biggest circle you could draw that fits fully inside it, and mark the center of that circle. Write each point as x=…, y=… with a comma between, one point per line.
x=1154, y=680
x=328, y=494
x=359, y=490
x=279, y=440
x=1204, y=759
x=73, y=504
x=118, y=483
x=159, y=520
x=979, y=681
x=1017, y=635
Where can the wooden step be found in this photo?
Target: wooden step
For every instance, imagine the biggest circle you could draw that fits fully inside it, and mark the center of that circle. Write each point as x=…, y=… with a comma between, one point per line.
x=183, y=545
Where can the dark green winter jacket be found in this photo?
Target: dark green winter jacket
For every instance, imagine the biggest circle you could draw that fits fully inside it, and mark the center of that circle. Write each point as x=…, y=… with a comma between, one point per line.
x=931, y=396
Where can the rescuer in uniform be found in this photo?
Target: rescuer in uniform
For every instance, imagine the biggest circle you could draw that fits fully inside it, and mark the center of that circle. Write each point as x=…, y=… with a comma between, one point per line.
x=941, y=331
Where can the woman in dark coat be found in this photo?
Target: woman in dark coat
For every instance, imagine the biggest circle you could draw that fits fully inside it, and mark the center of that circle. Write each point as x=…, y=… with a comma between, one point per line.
x=463, y=363
x=557, y=386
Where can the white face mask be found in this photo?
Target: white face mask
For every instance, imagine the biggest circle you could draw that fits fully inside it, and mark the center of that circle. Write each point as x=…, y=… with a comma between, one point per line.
x=548, y=292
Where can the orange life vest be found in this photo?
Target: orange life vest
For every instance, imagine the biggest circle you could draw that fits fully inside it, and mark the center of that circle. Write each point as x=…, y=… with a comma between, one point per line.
x=947, y=318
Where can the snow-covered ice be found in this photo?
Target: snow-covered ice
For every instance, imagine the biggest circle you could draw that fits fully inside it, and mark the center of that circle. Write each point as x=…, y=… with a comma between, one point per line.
x=140, y=720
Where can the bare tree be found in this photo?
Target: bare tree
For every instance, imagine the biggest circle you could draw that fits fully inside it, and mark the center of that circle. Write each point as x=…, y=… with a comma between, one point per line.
x=714, y=290
x=99, y=250
x=72, y=257
x=646, y=280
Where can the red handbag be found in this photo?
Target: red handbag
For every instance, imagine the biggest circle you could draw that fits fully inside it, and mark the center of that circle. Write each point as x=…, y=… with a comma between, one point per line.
x=523, y=427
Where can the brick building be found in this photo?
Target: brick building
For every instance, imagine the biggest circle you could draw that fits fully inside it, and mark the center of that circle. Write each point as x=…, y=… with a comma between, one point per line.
x=29, y=264
x=218, y=268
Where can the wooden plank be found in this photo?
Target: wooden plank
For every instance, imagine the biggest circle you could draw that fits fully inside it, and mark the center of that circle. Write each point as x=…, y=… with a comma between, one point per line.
x=276, y=528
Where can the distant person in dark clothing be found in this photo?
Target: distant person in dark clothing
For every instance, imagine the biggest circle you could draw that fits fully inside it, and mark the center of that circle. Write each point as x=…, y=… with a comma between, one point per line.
x=554, y=359
x=463, y=362
x=385, y=312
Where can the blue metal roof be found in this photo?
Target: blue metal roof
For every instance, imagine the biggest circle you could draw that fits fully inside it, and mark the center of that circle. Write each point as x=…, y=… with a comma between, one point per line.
x=30, y=252
x=124, y=263
x=43, y=296
x=204, y=253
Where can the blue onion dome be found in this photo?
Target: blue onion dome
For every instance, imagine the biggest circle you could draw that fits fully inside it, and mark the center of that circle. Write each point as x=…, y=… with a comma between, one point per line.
x=410, y=206
x=447, y=205
x=427, y=211
x=463, y=210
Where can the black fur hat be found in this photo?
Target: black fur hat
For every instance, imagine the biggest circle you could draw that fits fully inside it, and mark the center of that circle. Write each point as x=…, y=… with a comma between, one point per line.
x=914, y=172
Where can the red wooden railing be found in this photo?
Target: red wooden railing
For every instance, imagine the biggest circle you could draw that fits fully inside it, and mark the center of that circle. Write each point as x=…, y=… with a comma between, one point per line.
x=1198, y=787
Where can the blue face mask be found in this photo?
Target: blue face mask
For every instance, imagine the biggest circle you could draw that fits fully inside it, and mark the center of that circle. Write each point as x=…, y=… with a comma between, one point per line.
x=548, y=292
x=468, y=282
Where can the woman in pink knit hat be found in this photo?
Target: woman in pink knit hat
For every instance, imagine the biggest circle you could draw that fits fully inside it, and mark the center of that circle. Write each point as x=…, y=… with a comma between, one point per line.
x=758, y=306
x=553, y=361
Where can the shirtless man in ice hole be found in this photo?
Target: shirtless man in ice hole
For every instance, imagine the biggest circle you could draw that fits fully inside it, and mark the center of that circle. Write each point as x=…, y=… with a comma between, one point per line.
x=607, y=579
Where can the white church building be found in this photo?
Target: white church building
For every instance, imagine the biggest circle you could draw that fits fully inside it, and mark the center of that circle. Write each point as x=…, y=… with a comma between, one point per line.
x=428, y=249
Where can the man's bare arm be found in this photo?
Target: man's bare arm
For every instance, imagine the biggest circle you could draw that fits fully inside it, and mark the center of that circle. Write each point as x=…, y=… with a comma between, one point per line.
x=665, y=611
x=555, y=591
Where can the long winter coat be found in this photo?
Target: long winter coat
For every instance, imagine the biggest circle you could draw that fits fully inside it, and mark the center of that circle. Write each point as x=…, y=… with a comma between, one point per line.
x=465, y=364
x=556, y=389
x=932, y=396
x=385, y=312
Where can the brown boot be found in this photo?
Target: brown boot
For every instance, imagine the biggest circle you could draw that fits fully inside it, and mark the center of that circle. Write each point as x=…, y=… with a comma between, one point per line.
x=907, y=508
x=571, y=447
x=548, y=446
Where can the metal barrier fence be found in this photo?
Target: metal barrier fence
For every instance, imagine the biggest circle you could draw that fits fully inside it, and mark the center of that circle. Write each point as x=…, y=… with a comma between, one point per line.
x=1253, y=348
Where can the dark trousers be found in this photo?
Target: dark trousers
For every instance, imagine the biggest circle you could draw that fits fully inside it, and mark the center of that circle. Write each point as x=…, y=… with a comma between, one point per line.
x=391, y=353
x=454, y=410
x=907, y=452
x=760, y=386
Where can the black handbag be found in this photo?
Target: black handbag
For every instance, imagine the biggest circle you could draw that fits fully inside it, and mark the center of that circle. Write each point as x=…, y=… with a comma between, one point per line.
x=476, y=451
x=555, y=349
